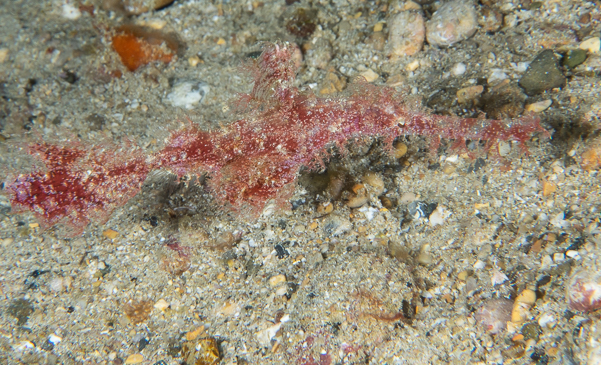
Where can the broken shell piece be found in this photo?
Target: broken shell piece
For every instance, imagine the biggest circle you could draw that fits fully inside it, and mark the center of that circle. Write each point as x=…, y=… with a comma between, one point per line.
x=494, y=315
x=539, y=106
x=522, y=305
x=584, y=290
x=498, y=278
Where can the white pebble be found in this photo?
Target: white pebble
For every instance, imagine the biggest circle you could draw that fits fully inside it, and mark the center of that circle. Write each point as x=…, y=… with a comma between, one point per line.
x=407, y=198
x=438, y=216
x=281, y=291
x=70, y=12
x=369, y=212
x=593, y=45
x=520, y=66
x=558, y=221
x=504, y=148
x=479, y=265
x=498, y=278
x=496, y=75
x=187, y=94
x=572, y=254
x=54, y=339
x=547, y=320
x=459, y=69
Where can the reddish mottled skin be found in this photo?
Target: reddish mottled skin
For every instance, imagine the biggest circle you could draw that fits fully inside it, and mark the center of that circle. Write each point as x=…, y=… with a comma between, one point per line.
x=258, y=157
x=78, y=185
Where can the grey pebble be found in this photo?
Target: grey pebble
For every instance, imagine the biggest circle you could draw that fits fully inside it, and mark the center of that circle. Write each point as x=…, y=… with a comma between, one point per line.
x=542, y=74
x=574, y=58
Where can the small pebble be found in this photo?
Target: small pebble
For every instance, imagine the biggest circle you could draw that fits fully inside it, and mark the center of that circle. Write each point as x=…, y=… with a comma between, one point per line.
x=494, y=315
x=187, y=94
x=574, y=58
x=325, y=208
x=453, y=22
x=407, y=198
x=70, y=12
x=277, y=279
x=548, y=188
x=591, y=158
x=547, y=320
x=3, y=54
x=134, y=359
x=161, y=304
x=400, y=149
x=425, y=258
x=531, y=330
x=521, y=306
x=357, y=201
x=412, y=66
x=111, y=234
x=194, y=61
x=138, y=46
x=539, y=106
x=504, y=148
x=370, y=75
x=136, y=7
x=439, y=216
x=407, y=33
x=281, y=291
x=459, y=69
x=592, y=45
x=153, y=23
x=54, y=339
x=336, y=226
x=469, y=93
x=479, y=264
x=542, y=74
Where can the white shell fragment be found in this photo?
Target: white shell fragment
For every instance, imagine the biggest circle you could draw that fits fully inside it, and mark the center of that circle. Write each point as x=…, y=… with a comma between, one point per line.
x=187, y=94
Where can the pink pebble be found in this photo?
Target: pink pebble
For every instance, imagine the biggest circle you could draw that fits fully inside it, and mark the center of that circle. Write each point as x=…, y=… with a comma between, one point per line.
x=584, y=290
x=494, y=315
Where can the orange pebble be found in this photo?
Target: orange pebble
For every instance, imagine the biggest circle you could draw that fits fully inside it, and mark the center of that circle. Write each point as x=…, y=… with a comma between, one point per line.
x=138, y=46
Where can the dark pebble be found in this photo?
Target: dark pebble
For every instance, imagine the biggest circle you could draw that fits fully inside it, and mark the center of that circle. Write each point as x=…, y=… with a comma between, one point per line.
x=542, y=74
x=69, y=76
x=421, y=209
x=531, y=330
x=96, y=122
x=21, y=309
x=281, y=252
x=47, y=346
x=297, y=203
x=142, y=344
x=574, y=57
